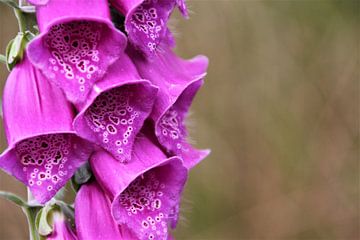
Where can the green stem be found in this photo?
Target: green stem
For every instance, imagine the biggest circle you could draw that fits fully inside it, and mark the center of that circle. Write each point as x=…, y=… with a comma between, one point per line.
x=21, y=20
x=31, y=215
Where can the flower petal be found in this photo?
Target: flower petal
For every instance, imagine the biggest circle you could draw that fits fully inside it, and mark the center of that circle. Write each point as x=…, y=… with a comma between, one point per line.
x=38, y=2
x=182, y=7
x=151, y=202
x=146, y=21
x=178, y=81
x=93, y=214
x=55, y=10
x=116, y=109
x=43, y=151
x=77, y=44
x=146, y=191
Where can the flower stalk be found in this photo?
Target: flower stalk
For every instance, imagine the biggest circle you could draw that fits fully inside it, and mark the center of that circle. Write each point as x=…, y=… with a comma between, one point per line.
x=21, y=19
x=97, y=97
x=30, y=213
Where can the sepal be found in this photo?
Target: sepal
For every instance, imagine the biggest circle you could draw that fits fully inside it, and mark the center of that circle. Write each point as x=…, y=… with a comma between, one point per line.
x=13, y=198
x=81, y=176
x=53, y=211
x=16, y=48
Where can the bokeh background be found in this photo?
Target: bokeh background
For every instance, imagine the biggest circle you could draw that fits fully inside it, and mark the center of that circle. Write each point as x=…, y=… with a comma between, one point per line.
x=280, y=111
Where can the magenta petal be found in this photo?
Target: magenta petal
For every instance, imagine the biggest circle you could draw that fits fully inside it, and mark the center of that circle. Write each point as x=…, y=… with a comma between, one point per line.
x=178, y=81
x=125, y=6
x=146, y=21
x=93, y=217
x=151, y=202
x=77, y=44
x=68, y=10
x=116, y=109
x=146, y=191
x=182, y=7
x=43, y=151
x=62, y=230
x=38, y=2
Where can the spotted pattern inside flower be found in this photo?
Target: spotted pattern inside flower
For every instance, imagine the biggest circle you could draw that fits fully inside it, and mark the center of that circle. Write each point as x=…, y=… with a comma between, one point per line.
x=45, y=160
x=172, y=130
x=144, y=199
x=115, y=117
x=148, y=22
x=74, y=53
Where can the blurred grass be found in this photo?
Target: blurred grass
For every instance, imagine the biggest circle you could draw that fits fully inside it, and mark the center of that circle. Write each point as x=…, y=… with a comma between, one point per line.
x=280, y=111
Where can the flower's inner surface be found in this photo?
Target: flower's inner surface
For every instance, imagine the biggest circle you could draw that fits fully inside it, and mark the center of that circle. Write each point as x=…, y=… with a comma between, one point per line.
x=172, y=130
x=45, y=160
x=116, y=117
x=148, y=22
x=147, y=202
x=74, y=53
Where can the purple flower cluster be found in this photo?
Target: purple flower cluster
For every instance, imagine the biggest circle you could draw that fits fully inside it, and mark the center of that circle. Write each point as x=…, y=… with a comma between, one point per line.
x=88, y=92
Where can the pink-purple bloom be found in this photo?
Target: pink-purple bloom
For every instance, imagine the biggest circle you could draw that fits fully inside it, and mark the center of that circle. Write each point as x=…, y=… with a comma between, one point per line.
x=43, y=150
x=146, y=21
x=145, y=192
x=178, y=81
x=116, y=109
x=77, y=44
x=93, y=217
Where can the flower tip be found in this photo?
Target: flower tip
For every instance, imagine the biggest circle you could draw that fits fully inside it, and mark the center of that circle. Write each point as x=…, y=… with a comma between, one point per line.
x=202, y=62
x=205, y=153
x=183, y=8
x=194, y=157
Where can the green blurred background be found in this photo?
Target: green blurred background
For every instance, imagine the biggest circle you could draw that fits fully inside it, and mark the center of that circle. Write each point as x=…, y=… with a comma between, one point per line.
x=280, y=111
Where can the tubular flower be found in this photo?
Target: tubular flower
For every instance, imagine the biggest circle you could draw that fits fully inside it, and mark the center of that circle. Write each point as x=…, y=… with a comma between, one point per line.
x=43, y=150
x=116, y=109
x=77, y=44
x=145, y=192
x=146, y=21
x=93, y=214
x=62, y=230
x=178, y=81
